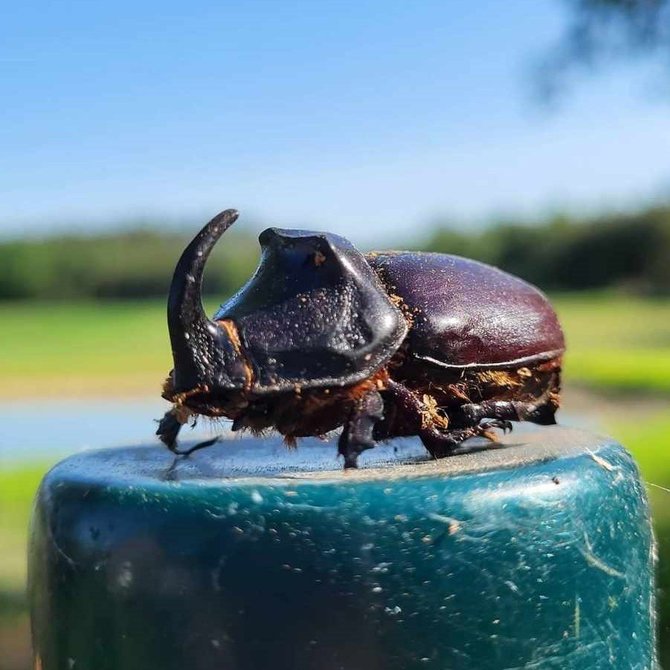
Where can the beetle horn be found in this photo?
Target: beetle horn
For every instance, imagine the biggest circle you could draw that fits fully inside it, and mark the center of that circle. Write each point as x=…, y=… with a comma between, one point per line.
x=192, y=334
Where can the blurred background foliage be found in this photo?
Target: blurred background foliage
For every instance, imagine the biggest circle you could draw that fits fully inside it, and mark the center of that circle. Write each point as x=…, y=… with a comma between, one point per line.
x=605, y=33
x=128, y=265
x=623, y=251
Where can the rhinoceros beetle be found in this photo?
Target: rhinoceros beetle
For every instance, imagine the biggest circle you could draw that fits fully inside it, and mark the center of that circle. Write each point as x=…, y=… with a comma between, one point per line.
x=382, y=344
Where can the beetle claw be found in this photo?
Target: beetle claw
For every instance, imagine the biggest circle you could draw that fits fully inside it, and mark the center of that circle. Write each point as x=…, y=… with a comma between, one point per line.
x=200, y=445
x=504, y=425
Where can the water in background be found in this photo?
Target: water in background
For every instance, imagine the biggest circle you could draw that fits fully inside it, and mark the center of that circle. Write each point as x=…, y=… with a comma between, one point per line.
x=50, y=429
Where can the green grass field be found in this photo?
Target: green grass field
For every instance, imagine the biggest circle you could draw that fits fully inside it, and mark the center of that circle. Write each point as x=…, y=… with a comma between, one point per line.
x=617, y=345
x=79, y=349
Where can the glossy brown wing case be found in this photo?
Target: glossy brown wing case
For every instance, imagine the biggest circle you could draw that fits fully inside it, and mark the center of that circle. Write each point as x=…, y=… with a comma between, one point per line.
x=468, y=314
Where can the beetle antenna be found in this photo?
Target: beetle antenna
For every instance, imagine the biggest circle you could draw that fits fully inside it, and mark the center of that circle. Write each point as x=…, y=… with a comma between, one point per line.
x=191, y=332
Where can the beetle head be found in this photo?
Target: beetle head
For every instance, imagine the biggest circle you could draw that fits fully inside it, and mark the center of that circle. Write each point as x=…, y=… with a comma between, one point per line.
x=207, y=356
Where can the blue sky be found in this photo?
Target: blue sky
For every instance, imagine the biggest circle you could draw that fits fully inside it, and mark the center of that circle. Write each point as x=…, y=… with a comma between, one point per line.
x=368, y=118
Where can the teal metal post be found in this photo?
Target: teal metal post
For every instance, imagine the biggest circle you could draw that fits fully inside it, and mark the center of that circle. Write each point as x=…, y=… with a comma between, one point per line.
x=536, y=554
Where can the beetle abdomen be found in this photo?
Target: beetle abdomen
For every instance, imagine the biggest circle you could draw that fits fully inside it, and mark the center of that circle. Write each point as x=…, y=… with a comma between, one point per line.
x=468, y=314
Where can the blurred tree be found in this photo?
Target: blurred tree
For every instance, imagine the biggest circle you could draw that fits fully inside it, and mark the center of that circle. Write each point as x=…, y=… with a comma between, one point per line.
x=602, y=32
x=131, y=264
x=629, y=251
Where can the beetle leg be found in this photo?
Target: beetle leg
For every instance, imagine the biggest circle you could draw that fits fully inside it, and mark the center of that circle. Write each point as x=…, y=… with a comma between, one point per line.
x=506, y=410
x=446, y=443
x=357, y=434
x=406, y=402
x=168, y=429
x=441, y=444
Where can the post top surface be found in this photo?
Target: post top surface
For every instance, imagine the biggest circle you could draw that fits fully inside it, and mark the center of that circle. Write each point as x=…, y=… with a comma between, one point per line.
x=237, y=460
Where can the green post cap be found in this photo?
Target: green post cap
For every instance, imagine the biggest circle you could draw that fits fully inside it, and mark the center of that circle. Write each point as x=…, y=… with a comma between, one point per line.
x=248, y=556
